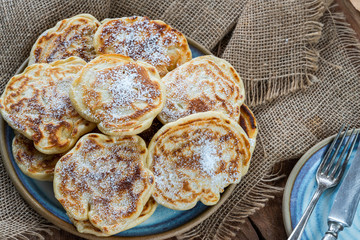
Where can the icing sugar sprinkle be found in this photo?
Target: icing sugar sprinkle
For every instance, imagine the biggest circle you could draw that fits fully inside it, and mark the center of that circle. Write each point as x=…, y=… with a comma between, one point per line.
x=209, y=158
x=141, y=41
x=110, y=178
x=127, y=87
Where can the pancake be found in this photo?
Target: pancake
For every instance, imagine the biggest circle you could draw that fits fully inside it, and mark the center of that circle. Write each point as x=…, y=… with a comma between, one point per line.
x=87, y=227
x=140, y=38
x=120, y=95
x=204, y=84
x=195, y=158
x=36, y=103
x=32, y=162
x=70, y=37
x=249, y=124
x=104, y=180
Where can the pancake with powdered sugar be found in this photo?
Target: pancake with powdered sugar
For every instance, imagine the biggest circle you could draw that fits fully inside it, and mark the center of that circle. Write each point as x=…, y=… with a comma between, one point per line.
x=36, y=103
x=32, y=162
x=195, y=158
x=70, y=37
x=140, y=38
x=104, y=181
x=87, y=227
x=204, y=84
x=120, y=95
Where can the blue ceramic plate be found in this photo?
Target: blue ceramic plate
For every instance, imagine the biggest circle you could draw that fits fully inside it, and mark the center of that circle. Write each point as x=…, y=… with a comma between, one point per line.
x=163, y=223
x=299, y=190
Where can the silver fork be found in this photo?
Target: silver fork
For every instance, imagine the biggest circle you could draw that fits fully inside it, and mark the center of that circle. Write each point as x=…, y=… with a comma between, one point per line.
x=328, y=175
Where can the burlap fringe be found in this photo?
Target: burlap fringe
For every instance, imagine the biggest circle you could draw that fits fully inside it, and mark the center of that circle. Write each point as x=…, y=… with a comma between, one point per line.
x=348, y=38
x=255, y=199
x=263, y=90
x=34, y=233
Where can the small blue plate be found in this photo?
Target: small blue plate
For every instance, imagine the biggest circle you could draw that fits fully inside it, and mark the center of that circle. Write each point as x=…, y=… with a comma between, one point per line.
x=164, y=223
x=299, y=189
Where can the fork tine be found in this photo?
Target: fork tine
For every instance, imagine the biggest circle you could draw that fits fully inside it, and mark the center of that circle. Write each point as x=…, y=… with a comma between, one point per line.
x=327, y=168
x=342, y=170
x=334, y=170
x=330, y=149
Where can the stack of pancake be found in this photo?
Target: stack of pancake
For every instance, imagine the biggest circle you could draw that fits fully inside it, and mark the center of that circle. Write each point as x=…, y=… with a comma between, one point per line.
x=90, y=87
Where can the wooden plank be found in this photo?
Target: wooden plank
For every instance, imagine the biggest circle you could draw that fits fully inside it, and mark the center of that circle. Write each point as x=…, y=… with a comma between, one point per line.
x=351, y=14
x=269, y=220
x=247, y=231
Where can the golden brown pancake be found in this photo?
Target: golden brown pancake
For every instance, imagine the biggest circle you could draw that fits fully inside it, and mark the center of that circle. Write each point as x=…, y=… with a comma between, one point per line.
x=195, y=158
x=249, y=124
x=104, y=180
x=87, y=227
x=140, y=38
x=204, y=84
x=32, y=162
x=36, y=103
x=70, y=37
x=120, y=95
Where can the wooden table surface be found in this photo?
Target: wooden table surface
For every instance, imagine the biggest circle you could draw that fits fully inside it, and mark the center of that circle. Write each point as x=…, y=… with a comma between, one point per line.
x=267, y=223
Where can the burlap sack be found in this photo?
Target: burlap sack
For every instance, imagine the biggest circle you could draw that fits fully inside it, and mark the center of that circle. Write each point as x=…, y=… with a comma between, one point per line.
x=289, y=125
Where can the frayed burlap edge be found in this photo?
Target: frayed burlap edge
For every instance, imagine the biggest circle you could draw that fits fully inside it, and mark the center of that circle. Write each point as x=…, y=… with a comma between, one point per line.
x=256, y=199
x=39, y=232
x=259, y=92
x=348, y=37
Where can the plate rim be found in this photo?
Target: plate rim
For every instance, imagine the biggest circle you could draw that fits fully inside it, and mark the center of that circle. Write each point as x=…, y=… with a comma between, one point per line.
x=292, y=177
x=40, y=209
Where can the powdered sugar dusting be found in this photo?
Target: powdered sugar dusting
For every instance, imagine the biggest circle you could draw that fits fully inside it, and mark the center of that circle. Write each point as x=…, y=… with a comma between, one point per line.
x=195, y=162
x=74, y=37
x=38, y=105
x=200, y=86
x=57, y=98
x=31, y=160
x=140, y=40
x=209, y=158
x=103, y=174
x=127, y=88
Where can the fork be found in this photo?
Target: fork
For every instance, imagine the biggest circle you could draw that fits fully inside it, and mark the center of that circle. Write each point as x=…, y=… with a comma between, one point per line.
x=328, y=175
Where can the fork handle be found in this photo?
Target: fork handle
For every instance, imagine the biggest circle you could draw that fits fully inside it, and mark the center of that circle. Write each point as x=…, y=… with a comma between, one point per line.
x=299, y=229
